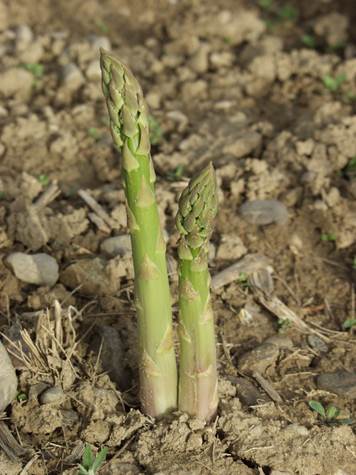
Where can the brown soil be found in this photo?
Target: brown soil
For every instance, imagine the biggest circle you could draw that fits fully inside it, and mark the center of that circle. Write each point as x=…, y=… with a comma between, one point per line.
x=242, y=84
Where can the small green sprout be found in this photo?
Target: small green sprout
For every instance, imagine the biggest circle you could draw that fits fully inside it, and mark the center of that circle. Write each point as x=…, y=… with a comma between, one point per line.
x=91, y=463
x=288, y=13
x=354, y=263
x=283, y=324
x=242, y=280
x=21, y=397
x=333, y=83
x=176, y=174
x=2, y=195
x=94, y=133
x=309, y=41
x=155, y=130
x=265, y=4
x=102, y=26
x=349, y=323
x=36, y=69
x=43, y=179
x=329, y=414
x=328, y=237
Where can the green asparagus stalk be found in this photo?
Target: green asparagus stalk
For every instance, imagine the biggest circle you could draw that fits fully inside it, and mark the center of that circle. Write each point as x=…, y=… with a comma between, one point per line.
x=130, y=133
x=197, y=394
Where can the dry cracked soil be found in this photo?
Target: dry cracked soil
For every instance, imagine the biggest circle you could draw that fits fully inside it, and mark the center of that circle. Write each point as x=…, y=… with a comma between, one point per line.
x=266, y=90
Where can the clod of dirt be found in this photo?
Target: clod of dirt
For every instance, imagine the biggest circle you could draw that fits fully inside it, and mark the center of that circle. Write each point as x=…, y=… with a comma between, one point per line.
x=8, y=379
x=16, y=82
x=52, y=395
x=116, y=246
x=93, y=276
x=263, y=212
x=247, y=392
x=342, y=383
x=244, y=145
x=107, y=343
x=259, y=359
x=38, y=269
x=231, y=247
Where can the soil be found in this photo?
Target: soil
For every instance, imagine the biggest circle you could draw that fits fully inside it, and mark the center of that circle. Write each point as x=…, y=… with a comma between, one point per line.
x=267, y=91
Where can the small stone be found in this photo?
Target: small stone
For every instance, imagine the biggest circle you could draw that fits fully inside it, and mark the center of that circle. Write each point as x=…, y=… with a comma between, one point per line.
x=280, y=341
x=24, y=37
x=258, y=359
x=16, y=82
x=317, y=344
x=52, y=395
x=8, y=379
x=231, y=247
x=116, y=246
x=4, y=17
x=38, y=269
x=98, y=42
x=263, y=212
x=93, y=72
x=199, y=62
x=243, y=145
x=153, y=100
x=33, y=53
x=194, y=90
x=72, y=77
x=341, y=382
x=247, y=392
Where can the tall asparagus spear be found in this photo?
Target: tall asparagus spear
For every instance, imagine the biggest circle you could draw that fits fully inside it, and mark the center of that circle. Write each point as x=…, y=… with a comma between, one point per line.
x=129, y=129
x=197, y=394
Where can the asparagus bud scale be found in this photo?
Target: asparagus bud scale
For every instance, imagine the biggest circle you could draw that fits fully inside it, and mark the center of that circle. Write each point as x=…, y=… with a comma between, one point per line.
x=130, y=133
x=197, y=394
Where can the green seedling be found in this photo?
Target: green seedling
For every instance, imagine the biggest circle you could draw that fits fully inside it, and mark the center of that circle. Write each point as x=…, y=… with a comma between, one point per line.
x=309, y=41
x=288, y=13
x=155, y=130
x=333, y=83
x=329, y=414
x=36, y=69
x=354, y=263
x=243, y=280
x=349, y=171
x=22, y=397
x=283, y=324
x=94, y=133
x=176, y=174
x=349, y=323
x=91, y=463
x=43, y=179
x=328, y=237
x=102, y=26
x=265, y=4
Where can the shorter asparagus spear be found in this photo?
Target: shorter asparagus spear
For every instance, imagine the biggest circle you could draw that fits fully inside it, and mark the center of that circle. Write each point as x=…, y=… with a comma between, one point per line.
x=197, y=394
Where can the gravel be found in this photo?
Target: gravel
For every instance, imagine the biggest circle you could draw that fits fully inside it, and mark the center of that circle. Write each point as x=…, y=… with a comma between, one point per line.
x=38, y=269
x=263, y=212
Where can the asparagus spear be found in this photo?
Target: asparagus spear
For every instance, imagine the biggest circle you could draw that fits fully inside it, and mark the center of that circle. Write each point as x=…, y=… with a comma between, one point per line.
x=129, y=129
x=197, y=394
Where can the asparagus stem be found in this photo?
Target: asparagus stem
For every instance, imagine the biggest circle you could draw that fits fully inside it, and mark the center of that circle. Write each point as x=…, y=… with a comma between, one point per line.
x=197, y=394
x=129, y=129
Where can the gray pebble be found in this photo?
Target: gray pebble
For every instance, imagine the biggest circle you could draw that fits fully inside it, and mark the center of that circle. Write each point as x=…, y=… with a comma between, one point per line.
x=8, y=379
x=341, y=382
x=98, y=42
x=317, y=344
x=38, y=269
x=24, y=37
x=244, y=145
x=258, y=359
x=52, y=395
x=116, y=246
x=262, y=212
x=72, y=77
